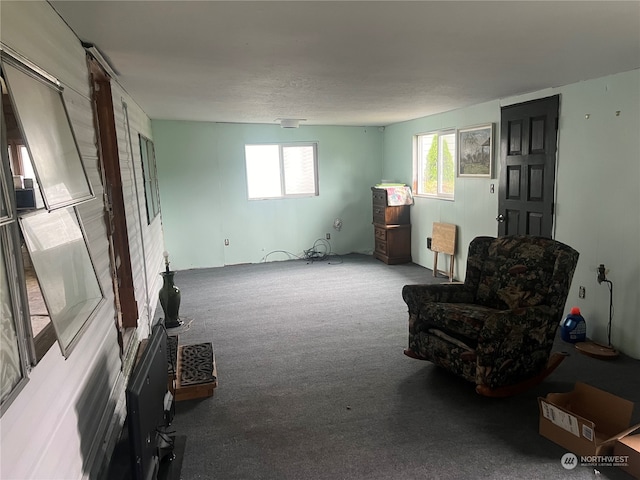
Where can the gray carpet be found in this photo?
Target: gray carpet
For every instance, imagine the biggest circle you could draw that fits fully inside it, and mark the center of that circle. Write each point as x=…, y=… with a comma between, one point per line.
x=313, y=384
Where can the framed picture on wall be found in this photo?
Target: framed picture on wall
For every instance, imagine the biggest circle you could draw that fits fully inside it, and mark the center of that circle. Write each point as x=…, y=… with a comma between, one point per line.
x=475, y=151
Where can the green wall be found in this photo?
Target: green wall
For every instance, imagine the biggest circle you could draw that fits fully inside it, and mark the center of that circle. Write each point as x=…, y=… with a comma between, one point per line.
x=201, y=172
x=474, y=208
x=597, y=199
x=204, y=200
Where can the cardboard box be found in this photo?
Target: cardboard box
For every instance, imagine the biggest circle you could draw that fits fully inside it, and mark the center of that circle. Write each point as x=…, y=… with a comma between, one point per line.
x=586, y=421
x=629, y=446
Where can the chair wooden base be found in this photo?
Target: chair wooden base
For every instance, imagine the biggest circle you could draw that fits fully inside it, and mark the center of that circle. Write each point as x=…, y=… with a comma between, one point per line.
x=411, y=354
x=596, y=350
x=555, y=359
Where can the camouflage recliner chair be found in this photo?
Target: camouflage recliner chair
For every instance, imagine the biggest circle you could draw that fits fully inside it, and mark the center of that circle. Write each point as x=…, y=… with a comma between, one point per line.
x=497, y=329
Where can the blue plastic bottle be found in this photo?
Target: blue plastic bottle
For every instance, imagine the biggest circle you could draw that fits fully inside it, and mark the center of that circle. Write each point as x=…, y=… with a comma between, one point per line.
x=573, y=328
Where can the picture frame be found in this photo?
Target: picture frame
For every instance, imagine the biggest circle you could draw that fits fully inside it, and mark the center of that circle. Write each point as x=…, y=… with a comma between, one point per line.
x=475, y=151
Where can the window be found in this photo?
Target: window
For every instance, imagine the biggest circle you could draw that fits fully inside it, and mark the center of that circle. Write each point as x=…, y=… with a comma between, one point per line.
x=6, y=213
x=13, y=358
x=434, y=164
x=64, y=269
x=278, y=171
x=150, y=173
x=43, y=119
x=49, y=288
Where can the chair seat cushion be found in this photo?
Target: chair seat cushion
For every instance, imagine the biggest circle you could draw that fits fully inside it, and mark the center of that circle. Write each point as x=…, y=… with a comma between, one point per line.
x=462, y=321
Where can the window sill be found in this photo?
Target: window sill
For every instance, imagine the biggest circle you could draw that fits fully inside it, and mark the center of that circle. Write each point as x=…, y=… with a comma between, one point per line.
x=434, y=197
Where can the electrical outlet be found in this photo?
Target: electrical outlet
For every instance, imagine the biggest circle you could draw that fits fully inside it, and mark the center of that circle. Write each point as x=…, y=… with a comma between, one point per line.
x=601, y=273
x=581, y=292
x=328, y=236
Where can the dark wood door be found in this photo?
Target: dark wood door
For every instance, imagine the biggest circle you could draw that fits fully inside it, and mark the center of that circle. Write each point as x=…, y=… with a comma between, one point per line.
x=528, y=137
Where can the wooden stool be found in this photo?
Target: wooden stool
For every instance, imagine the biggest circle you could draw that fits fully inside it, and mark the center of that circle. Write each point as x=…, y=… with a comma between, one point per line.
x=192, y=369
x=196, y=373
x=443, y=241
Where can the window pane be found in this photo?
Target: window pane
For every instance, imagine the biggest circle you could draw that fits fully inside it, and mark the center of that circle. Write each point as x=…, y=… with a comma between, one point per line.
x=448, y=155
x=145, y=173
x=263, y=171
x=435, y=164
x=62, y=263
x=11, y=372
x=31, y=194
x=5, y=173
x=153, y=180
x=428, y=164
x=150, y=178
x=299, y=170
x=46, y=127
x=5, y=213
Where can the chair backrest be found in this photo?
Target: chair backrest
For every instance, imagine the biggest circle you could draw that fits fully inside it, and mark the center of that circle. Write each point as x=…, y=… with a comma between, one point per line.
x=520, y=271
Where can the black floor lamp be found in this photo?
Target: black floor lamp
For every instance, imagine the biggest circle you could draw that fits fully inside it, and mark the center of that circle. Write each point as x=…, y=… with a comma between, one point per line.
x=594, y=349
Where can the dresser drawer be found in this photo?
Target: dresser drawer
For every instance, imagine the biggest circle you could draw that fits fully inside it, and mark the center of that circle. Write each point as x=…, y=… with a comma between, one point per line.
x=380, y=234
x=379, y=215
x=391, y=215
x=381, y=247
x=379, y=196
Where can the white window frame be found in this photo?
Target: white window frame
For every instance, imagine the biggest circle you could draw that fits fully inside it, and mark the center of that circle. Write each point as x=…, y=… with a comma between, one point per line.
x=55, y=158
x=281, y=174
x=83, y=276
x=13, y=292
x=150, y=172
x=56, y=240
x=420, y=160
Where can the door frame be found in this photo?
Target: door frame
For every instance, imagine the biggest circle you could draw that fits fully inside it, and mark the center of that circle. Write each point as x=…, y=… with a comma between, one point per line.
x=115, y=213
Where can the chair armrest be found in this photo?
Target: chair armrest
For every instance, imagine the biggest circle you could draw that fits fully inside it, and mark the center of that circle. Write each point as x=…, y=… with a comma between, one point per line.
x=514, y=343
x=417, y=295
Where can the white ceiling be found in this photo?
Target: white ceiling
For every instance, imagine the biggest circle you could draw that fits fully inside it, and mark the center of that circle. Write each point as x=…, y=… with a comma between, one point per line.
x=349, y=63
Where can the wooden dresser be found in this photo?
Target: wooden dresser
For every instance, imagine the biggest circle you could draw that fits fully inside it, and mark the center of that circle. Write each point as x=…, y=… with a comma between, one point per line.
x=392, y=229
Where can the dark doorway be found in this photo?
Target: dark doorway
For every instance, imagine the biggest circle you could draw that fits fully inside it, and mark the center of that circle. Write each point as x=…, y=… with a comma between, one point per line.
x=528, y=167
